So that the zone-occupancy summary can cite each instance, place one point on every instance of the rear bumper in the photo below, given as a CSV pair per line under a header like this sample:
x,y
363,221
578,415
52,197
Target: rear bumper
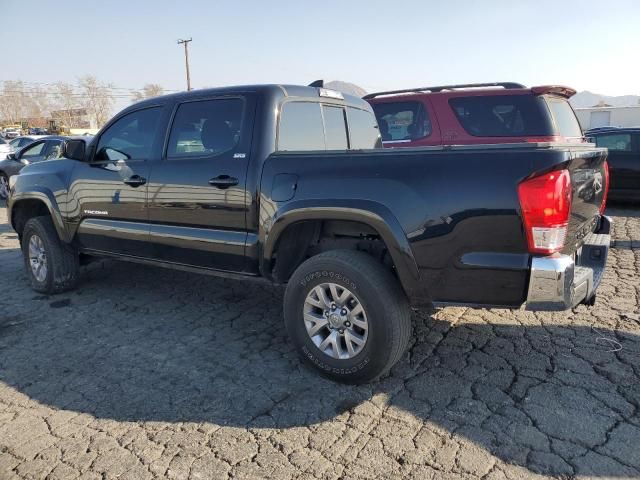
x,y
559,282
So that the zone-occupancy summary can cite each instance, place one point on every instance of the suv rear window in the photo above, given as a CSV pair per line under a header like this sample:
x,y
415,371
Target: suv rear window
x,y
402,121
565,119
503,115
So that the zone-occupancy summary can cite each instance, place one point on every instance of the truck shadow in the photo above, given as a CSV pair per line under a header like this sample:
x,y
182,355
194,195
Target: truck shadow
x,y
143,344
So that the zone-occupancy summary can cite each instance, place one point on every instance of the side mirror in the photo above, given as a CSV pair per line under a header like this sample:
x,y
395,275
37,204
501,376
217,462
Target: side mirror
x,y
74,149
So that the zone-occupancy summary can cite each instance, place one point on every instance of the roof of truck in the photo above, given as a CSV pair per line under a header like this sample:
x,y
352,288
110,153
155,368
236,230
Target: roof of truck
x,y
281,90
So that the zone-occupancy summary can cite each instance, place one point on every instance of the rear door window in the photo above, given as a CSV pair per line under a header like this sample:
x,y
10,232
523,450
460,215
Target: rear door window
x,y
566,121
503,115
402,121
206,128
363,129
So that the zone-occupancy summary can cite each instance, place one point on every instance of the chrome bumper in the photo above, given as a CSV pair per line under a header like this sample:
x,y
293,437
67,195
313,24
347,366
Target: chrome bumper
x,y
559,283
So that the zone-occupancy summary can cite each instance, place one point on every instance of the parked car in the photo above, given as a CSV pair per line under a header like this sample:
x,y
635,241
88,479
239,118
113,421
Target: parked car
x,y
5,148
480,113
22,141
38,131
10,133
623,159
47,148
289,184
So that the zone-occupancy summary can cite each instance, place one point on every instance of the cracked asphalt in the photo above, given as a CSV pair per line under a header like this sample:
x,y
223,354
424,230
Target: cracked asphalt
x,y
150,373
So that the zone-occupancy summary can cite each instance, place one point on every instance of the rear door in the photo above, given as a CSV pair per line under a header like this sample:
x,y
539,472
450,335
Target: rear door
x,y
198,198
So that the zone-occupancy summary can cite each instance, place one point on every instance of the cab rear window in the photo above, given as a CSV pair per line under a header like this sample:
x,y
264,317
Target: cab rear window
x,y
503,115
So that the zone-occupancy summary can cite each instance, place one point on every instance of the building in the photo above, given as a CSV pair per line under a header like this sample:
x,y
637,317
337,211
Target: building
x,y
73,118
604,115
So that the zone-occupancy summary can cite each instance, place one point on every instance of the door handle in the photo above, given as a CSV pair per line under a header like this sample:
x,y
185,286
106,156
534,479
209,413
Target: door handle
x,y
135,181
223,181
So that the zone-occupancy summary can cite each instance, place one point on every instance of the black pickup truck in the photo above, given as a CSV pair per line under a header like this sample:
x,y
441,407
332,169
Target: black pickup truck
x,y
290,184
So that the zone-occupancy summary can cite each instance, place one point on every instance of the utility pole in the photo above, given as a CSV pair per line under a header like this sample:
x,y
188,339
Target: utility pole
x,y
185,42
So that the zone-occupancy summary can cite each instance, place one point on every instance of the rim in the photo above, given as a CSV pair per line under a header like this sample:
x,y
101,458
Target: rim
x,y
336,321
4,187
37,258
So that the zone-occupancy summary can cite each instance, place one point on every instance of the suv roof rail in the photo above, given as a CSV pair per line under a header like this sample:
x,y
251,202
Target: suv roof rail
x,y
507,85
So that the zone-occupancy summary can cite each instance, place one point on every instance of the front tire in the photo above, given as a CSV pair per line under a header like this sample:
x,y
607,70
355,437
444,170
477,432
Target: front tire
x,y
4,186
52,266
347,316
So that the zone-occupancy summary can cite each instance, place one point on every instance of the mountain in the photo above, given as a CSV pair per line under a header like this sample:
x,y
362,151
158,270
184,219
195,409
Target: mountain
x,y
346,87
588,99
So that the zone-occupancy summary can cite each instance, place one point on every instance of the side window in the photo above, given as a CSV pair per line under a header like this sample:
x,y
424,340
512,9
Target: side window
x,y
566,120
335,128
33,151
130,137
54,150
400,121
363,129
301,127
206,127
620,142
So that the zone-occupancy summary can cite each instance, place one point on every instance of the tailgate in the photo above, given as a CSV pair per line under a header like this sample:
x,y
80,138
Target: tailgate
x,y
589,180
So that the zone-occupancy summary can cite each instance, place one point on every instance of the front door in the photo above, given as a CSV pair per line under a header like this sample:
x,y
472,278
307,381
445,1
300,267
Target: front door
x,y
198,199
107,194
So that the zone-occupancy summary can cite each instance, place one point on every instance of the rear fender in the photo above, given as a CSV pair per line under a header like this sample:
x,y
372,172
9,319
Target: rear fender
x,y
372,214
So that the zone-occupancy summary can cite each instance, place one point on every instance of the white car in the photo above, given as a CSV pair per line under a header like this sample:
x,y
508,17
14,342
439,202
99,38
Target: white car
x,y
5,149
11,133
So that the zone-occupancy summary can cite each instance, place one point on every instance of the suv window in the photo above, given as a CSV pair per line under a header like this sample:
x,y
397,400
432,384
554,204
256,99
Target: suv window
x,y
503,115
301,127
54,149
206,128
335,128
130,137
363,129
565,119
620,142
400,121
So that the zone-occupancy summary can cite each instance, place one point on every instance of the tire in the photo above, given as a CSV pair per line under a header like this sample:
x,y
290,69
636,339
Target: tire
x,y
385,313
4,186
61,261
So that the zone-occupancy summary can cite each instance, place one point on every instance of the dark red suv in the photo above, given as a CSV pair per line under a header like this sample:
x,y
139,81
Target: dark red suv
x,y
482,113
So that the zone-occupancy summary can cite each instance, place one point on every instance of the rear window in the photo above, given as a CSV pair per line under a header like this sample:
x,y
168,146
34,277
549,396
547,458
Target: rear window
x,y
565,119
402,121
363,129
503,115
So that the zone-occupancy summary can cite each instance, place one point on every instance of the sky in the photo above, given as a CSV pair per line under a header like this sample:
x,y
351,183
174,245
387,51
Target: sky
x,y
378,45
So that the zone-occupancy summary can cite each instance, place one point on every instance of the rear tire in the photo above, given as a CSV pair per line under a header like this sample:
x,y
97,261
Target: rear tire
x,y
347,316
52,266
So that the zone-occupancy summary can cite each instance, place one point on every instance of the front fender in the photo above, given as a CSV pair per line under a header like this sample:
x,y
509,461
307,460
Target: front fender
x,y
45,196
370,213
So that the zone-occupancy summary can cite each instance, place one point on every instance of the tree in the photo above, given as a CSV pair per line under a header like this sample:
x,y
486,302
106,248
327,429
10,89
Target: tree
x,y
98,99
13,100
66,100
150,90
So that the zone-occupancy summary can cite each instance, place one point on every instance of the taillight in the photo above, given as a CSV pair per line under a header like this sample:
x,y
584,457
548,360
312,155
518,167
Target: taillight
x,y
546,205
603,205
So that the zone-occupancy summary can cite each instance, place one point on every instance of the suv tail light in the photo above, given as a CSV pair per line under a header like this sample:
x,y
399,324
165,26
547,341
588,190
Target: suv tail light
x,y
546,205
603,205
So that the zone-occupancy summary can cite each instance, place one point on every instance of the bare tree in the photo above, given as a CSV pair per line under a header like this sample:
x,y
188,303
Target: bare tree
x,y
66,100
150,90
98,98
13,101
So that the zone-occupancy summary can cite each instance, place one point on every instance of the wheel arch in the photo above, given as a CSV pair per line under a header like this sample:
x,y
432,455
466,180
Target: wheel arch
x,y
24,206
373,215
